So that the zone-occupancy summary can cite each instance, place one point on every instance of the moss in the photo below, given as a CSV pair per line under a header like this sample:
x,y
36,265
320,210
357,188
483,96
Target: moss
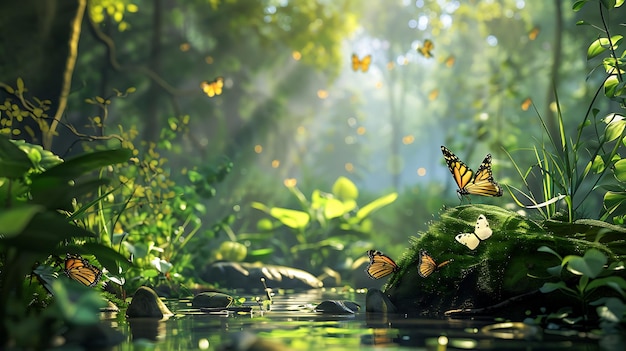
x,y
502,267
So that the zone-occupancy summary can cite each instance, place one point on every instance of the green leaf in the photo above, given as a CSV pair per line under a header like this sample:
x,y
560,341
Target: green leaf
x,y
615,201
550,287
614,129
590,265
550,251
82,164
14,163
619,169
291,218
376,204
14,220
579,5
333,208
600,45
345,190
614,282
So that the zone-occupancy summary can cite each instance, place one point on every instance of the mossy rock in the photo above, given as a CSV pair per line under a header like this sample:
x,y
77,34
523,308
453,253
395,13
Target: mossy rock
x,y
505,267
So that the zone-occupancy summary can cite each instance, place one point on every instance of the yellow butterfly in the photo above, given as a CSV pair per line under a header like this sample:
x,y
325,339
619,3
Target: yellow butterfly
x,y
427,265
213,88
426,48
81,270
481,232
363,64
480,183
380,265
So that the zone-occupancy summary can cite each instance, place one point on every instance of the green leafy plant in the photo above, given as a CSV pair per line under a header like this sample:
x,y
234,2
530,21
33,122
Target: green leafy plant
x,y
583,277
325,225
565,173
38,222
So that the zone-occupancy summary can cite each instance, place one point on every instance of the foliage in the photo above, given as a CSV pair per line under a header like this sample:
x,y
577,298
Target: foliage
x,y
38,221
582,277
154,218
322,233
563,173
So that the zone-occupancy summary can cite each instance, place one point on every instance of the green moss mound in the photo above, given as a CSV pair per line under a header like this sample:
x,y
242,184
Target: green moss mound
x,y
504,267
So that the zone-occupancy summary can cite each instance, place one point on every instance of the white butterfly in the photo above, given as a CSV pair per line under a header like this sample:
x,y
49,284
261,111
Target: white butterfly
x,y
481,232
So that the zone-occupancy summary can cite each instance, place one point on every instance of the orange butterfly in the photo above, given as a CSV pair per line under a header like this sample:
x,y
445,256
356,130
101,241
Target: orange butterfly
x,y
363,64
479,183
450,61
526,104
213,88
426,48
426,264
380,265
81,270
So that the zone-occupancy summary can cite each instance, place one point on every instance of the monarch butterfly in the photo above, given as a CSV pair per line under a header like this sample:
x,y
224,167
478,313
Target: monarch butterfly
x,y
481,232
214,87
380,265
363,64
534,33
81,270
426,48
426,264
479,183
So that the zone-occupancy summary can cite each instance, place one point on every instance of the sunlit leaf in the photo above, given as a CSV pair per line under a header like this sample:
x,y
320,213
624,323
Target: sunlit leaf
x,y
620,170
291,218
614,130
601,45
376,204
344,189
550,251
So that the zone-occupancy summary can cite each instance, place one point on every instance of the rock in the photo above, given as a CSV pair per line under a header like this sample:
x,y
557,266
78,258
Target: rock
x,y
337,307
376,301
244,275
147,304
211,300
500,277
246,341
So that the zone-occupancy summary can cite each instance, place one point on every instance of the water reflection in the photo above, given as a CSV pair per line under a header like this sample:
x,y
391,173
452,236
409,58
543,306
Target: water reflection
x,y
291,324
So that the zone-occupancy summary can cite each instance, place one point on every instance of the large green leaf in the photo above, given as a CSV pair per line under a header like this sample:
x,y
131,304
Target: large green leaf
x,y
75,167
375,205
45,231
57,193
620,170
14,163
615,202
14,220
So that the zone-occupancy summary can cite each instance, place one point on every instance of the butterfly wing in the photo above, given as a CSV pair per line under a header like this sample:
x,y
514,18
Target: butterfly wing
x,y
482,230
81,270
426,48
483,183
214,87
380,265
468,239
365,63
425,265
460,172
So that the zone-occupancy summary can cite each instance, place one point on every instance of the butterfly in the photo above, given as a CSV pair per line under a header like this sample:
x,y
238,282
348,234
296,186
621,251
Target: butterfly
x,y
427,265
481,232
214,87
81,270
380,265
363,64
479,183
426,48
